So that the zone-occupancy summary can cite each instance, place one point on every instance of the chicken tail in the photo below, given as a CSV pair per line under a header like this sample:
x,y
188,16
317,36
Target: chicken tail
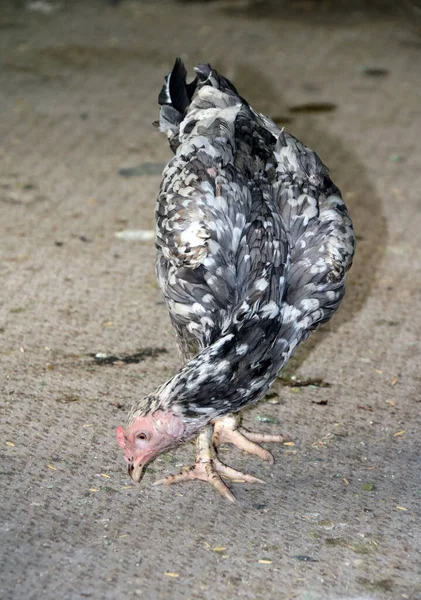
x,y
176,92
176,95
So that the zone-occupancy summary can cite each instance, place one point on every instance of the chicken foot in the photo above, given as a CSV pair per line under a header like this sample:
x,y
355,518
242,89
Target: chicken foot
x,y
209,468
226,430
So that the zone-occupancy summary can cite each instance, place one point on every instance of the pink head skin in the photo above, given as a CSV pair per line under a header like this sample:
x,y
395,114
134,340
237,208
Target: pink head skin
x,y
147,437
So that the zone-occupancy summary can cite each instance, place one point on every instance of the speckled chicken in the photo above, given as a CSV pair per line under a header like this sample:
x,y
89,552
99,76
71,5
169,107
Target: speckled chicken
x,y
253,246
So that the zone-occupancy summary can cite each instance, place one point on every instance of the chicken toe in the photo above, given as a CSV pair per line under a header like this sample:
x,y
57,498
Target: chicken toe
x,y
226,431
209,468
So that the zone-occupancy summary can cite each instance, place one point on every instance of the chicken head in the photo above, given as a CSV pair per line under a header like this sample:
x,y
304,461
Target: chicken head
x,y
146,437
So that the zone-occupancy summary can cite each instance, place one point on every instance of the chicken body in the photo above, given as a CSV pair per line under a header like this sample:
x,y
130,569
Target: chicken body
x,y
254,242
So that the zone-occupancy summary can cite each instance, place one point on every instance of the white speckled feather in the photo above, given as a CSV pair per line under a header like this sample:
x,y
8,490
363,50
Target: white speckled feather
x,y
254,243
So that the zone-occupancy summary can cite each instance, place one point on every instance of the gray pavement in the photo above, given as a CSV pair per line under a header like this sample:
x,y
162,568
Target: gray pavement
x,y
339,515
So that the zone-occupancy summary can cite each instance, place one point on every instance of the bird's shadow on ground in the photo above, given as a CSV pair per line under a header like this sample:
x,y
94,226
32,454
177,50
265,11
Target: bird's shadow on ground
x,y
349,173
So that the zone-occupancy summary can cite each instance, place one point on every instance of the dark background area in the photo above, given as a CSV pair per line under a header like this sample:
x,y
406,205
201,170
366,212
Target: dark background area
x,y
80,162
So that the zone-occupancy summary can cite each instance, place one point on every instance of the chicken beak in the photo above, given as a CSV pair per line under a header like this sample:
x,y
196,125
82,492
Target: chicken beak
x,y
135,471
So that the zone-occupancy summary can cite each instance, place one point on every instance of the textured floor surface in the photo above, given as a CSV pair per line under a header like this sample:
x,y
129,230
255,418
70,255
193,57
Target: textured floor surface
x,y
339,516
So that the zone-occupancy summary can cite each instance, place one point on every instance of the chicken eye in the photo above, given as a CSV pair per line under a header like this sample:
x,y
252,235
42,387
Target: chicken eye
x,y
142,436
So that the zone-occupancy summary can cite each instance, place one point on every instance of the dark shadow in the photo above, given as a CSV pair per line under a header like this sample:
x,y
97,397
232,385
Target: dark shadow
x,y
135,358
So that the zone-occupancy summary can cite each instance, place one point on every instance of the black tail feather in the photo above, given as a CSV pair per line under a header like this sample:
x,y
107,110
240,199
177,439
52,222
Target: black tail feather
x,y
176,96
176,92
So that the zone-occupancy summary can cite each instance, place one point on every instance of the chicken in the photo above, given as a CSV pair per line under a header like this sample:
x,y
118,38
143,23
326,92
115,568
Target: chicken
x,y
254,243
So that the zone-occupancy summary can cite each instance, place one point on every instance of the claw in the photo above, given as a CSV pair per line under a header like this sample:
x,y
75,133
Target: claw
x,y
226,432
235,475
265,437
209,468
205,471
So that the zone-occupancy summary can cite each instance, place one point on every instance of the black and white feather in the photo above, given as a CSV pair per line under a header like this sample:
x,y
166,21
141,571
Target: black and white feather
x,y
254,244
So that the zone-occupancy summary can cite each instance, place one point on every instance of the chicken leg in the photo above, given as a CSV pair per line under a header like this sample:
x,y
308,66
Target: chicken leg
x,y
209,468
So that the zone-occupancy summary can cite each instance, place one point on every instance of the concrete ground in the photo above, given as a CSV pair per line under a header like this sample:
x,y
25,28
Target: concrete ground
x,y
339,515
